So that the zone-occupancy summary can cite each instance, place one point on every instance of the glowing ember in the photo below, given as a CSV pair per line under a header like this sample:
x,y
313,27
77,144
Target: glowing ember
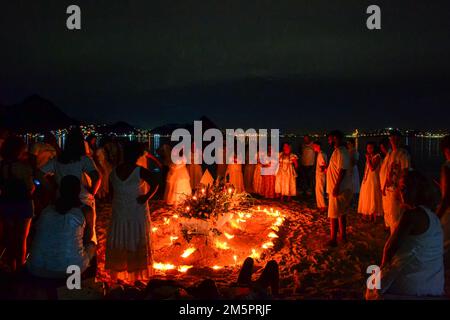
x,y
255,254
221,242
267,245
163,266
229,236
188,252
183,268
222,245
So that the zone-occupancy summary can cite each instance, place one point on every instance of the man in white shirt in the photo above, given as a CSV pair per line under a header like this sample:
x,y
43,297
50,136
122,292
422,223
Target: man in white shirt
x,y
397,161
339,187
308,158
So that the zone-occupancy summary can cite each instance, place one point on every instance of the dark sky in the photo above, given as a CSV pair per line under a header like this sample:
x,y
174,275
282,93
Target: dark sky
x,y
293,64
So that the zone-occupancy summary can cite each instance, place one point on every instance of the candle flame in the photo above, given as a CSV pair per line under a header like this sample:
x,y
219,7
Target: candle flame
x,y
229,236
273,235
267,245
188,252
184,268
216,267
163,266
222,245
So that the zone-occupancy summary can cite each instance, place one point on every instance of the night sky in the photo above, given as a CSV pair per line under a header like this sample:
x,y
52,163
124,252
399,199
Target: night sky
x,y
297,64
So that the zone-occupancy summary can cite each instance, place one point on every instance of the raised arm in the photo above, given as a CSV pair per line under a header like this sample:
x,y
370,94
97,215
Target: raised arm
x,y
149,178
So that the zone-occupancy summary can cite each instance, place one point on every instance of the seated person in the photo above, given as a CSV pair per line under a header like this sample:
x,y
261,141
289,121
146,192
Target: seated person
x,y
413,263
63,234
245,288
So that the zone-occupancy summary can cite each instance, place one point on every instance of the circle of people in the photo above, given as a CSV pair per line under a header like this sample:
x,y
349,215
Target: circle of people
x,y
61,186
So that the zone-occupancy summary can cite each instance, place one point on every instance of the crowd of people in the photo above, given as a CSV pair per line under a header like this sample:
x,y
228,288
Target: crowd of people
x,y
52,191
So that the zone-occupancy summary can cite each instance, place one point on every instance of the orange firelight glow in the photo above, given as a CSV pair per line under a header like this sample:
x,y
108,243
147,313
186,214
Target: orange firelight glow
x,y
188,252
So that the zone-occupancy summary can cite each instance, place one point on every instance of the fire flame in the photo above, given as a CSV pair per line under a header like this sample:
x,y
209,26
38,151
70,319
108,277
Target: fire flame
x,y
188,252
163,266
273,235
222,245
267,245
254,255
229,236
184,268
216,267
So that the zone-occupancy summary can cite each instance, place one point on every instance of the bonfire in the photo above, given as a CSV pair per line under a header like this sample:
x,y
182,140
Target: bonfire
x,y
214,228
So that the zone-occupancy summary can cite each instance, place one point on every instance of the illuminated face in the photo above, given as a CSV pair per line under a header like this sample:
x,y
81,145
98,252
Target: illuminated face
x,y
286,148
370,149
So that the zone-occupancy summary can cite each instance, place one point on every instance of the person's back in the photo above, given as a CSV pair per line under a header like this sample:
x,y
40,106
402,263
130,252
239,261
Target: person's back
x,y
58,243
125,192
422,258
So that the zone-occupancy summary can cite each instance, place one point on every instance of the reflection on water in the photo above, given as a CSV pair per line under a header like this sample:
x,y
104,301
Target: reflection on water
x,y
425,152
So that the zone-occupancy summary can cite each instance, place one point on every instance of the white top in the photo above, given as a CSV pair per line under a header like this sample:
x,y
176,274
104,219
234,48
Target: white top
x,y
129,218
419,263
340,159
398,160
308,155
321,162
77,169
58,243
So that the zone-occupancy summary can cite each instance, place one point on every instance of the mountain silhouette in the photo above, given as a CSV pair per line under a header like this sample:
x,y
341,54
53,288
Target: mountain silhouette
x,y
34,114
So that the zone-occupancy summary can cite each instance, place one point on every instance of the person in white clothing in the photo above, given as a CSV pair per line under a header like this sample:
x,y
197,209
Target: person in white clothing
x,y
128,246
370,203
178,185
398,161
321,176
385,150
63,234
339,187
413,264
354,172
74,161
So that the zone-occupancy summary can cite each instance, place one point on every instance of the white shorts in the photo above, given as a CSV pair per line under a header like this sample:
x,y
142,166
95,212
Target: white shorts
x,y
338,206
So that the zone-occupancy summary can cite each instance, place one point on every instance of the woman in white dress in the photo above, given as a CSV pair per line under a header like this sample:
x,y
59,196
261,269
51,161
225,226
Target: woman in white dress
x,y
73,161
234,176
285,181
128,246
178,185
413,264
370,202
321,176
354,159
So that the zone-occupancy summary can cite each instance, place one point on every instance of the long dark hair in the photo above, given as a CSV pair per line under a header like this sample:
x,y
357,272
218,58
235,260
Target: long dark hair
x,y
74,147
69,191
132,151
